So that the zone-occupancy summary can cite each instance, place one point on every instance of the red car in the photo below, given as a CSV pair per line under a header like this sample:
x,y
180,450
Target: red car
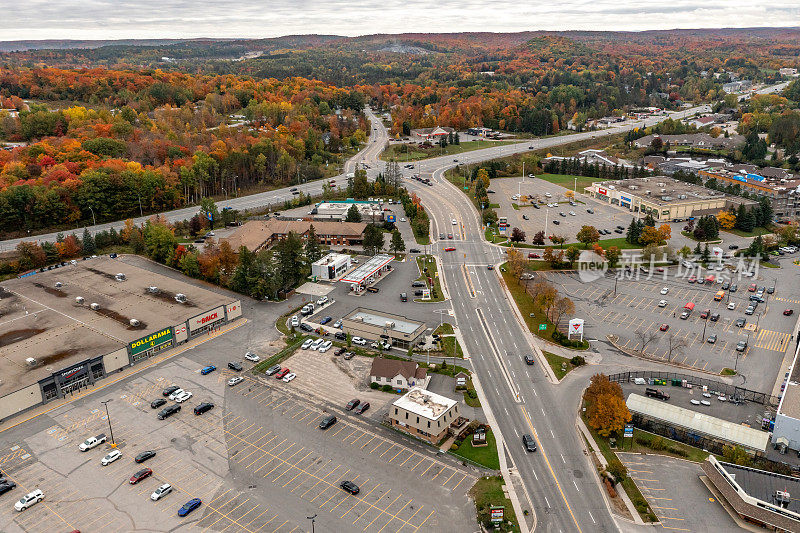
x,y
140,475
282,373
788,312
450,249
692,279
533,256
751,288
664,327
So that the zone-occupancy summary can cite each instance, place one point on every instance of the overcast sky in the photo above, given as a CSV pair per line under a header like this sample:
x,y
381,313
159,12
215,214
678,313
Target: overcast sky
x,y
118,19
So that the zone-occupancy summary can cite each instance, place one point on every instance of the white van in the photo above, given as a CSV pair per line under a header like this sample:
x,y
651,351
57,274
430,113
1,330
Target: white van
x,y
307,344
316,344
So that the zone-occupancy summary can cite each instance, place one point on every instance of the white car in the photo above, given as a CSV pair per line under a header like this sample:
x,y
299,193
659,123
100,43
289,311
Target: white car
x,y
325,346
185,395
515,197
338,324
307,344
731,306
402,219
289,377
111,457
161,491
176,394
665,290
322,301
572,213
454,222
250,356
295,321
662,303
32,498
316,344
234,380
548,195
359,341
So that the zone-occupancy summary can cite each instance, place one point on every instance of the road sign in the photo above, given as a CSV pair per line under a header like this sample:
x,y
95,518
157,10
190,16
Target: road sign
x,y
496,513
628,431
390,218
575,328
542,327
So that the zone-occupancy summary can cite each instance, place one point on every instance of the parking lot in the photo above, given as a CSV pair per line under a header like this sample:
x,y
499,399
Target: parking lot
x,y
626,306
257,460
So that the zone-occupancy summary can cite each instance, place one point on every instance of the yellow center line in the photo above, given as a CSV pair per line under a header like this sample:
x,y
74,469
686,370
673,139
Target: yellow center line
x,y
549,467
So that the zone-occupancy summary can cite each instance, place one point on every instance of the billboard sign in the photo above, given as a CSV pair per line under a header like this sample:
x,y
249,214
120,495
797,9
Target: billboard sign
x,y
496,514
628,431
207,318
151,341
575,327
390,218
602,191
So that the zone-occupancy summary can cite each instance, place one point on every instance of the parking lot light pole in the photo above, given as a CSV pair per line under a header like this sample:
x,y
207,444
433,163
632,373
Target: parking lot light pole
x,y
108,418
312,518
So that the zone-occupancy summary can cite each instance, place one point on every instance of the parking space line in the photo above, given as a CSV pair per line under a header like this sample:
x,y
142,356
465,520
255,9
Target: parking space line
x,y
365,496
423,522
300,472
386,450
322,479
256,518
280,526
398,453
426,470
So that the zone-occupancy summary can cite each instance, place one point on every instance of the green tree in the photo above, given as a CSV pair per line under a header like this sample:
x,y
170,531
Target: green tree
x,y
706,255
634,231
353,214
190,265
313,248
398,244
290,258
159,242
89,247
210,211
587,235
373,239
573,253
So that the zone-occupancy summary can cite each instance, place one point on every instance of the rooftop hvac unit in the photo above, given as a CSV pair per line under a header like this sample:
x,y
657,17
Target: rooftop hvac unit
x,y
661,184
180,298
647,192
645,179
389,324
134,322
633,187
611,187
681,197
95,306
59,284
120,277
783,498
663,190
30,361
79,300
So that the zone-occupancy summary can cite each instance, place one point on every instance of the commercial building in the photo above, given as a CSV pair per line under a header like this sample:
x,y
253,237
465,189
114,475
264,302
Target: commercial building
x,y
664,198
369,273
370,211
786,432
398,374
687,425
593,156
256,235
375,325
759,497
738,86
330,267
431,134
781,187
693,140
69,327
423,414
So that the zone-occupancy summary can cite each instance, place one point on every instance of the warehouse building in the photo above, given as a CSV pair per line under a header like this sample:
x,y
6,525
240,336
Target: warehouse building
x,y
423,414
780,187
372,325
665,199
330,267
66,329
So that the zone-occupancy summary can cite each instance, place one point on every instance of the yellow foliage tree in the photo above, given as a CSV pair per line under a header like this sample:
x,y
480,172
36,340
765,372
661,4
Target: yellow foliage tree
x,y
608,414
727,219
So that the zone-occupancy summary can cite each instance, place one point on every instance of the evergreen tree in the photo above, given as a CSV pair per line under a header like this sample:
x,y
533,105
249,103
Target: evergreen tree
x,y
289,252
748,221
353,214
373,240
89,247
313,248
632,237
649,221
706,254
397,245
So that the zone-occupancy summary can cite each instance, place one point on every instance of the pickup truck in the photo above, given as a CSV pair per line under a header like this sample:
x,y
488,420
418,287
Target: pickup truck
x,y
92,442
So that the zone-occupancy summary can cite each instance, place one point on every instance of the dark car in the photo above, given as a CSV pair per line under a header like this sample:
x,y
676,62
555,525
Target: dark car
x,y
305,327
203,407
144,456
740,322
340,335
6,486
327,422
528,359
113,255
733,247
418,284
350,487
340,351
155,404
361,408
207,369
169,390
771,290
168,411
529,443
556,222
414,250
714,317
235,365
325,320
274,369
352,404
734,287
348,355
189,506
373,289
140,475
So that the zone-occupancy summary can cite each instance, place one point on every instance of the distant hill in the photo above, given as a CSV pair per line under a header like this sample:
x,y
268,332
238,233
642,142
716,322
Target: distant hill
x,y
65,44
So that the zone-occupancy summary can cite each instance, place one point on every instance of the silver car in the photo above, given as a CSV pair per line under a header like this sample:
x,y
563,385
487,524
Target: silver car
x,y
161,491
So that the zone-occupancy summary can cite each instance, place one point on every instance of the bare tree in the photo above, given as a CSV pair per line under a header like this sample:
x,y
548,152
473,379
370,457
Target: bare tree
x,y
675,345
561,307
645,337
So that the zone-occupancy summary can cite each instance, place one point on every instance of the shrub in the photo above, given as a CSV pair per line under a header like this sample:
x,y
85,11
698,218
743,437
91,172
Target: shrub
x,y
617,469
657,443
374,386
472,393
454,446
578,360
386,388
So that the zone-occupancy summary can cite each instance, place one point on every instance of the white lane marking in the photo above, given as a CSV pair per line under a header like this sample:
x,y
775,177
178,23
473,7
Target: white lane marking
x,y
554,436
497,391
546,501
564,460
534,390
592,517
506,410
543,411
576,485
515,431
537,478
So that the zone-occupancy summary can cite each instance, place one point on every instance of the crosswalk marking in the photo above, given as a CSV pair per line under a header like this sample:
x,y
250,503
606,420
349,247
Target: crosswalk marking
x,y
772,340
787,300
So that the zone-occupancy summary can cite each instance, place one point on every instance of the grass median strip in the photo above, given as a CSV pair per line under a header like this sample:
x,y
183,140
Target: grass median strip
x,y
487,493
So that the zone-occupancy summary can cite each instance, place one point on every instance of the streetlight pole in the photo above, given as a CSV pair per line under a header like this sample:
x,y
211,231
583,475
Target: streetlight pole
x,y
108,419
141,213
312,518
94,222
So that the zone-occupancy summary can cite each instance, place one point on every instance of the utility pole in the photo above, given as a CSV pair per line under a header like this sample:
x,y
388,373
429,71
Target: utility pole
x,y
108,418
312,518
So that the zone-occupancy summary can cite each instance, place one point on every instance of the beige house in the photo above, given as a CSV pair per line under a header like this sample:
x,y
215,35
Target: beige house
x,y
424,414
398,374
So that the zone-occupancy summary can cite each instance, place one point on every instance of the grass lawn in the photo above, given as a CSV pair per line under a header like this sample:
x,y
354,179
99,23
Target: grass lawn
x,y
486,455
567,181
451,347
555,362
469,400
650,443
434,275
424,240
444,329
290,348
754,233
727,372
416,153
620,243
488,492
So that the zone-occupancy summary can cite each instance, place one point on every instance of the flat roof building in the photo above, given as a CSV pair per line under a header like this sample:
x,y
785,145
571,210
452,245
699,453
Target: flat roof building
x,y
779,186
331,266
369,272
375,325
424,414
370,211
787,419
664,198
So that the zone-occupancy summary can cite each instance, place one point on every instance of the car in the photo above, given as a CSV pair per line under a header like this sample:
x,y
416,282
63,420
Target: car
x,y
528,359
359,341
112,255
664,327
327,422
92,442
712,339
740,322
161,491
455,223
169,390
274,369
207,369
235,380
450,249
350,487
306,310
202,408
556,222
190,506
590,211
788,312
322,301
562,213
295,321
289,377
525,217
664,290
529,443
325,346
733,247
250,356
140,475
361,408
7,485
373,289
771,289
455,160
751,288
340,351
185,395
316,344
402,219
235,365
144,456
293,189
731,306
572,213
714,317
340,335
705,314
489,267
741,346
352,404
442,236
158,402
726,285
692,279
414,251
112,456
533,255
662,303
548,195
325,320
168,411
734,287
750,310
32,498
305,346
338,324
282,374
348,355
